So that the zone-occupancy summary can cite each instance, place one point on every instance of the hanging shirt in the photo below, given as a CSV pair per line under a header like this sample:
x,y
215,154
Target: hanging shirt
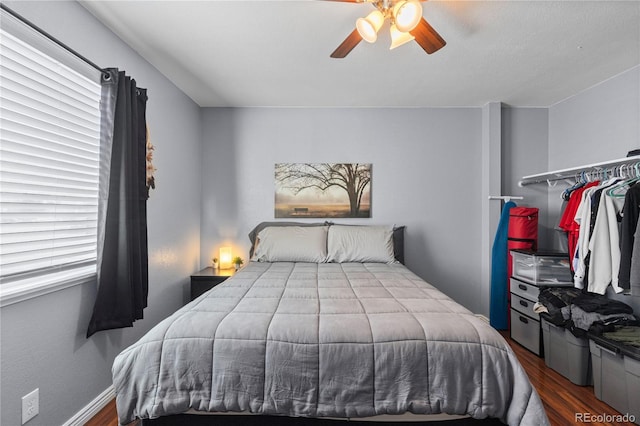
x,y
582,218
567,222
586,220
634,273
630,213
604,245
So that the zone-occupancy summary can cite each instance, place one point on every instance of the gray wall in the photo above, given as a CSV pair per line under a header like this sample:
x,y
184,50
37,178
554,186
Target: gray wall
x,y
43,344
599,124
426,175
215,182
524,152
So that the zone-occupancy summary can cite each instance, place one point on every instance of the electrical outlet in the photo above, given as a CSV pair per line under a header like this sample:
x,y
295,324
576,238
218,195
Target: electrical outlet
x,y
30,405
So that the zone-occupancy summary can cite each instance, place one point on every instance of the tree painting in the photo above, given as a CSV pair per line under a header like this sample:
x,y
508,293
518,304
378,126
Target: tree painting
x,y
323,190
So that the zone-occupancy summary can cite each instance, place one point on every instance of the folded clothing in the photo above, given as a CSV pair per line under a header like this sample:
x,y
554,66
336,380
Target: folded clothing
x,y
627,335
581,312
551,300
579,321
591,302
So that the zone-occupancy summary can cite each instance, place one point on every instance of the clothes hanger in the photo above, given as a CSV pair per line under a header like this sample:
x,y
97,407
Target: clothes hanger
x,y
620,190
608,178
581,181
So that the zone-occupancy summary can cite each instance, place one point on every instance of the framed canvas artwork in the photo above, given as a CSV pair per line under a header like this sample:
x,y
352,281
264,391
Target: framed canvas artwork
x,y
322,190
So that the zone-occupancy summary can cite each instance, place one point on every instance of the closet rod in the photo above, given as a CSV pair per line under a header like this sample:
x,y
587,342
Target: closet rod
x,y
506,198
572,171
52,38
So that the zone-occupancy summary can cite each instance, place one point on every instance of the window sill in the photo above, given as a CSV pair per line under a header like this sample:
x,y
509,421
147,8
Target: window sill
x,y
20,291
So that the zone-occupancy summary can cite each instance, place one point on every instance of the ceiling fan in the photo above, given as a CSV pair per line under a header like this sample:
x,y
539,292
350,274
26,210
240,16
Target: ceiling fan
x,y
406,24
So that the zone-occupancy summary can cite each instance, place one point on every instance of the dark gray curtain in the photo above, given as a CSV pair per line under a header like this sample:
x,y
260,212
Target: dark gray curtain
x,y
122,233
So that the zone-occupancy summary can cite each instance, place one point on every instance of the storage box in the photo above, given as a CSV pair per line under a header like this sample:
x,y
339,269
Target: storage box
x,y
526,331
567,354
546,268
616,377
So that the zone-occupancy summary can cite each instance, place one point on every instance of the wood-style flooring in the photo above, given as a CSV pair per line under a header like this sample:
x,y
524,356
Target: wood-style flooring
x,y
561,398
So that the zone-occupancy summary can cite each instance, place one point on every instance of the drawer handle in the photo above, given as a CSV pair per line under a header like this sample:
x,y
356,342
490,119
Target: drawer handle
x,y
522,287
524,320
523,303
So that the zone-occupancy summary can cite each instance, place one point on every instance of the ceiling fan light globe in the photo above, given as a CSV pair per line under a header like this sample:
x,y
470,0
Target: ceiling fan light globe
x,y
366,31
407,14
368,27
398,38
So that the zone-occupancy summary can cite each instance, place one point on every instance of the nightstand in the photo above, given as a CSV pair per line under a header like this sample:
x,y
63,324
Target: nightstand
x,y
208,278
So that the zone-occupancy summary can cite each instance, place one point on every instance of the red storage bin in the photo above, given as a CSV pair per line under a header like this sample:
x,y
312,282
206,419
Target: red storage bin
x,y
523,231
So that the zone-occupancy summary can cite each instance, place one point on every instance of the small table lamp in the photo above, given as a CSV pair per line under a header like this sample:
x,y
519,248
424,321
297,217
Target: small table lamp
x,y
225,257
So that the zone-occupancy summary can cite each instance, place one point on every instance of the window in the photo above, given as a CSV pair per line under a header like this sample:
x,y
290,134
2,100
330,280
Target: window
x,y
49,164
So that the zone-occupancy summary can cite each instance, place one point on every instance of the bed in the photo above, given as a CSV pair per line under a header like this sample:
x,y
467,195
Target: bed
x,y
324,323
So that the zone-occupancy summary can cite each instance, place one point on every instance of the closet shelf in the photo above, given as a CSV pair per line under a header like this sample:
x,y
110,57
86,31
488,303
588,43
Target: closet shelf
x,y
573,171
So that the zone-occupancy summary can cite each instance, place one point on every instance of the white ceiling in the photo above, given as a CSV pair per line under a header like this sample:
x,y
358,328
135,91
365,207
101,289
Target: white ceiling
x,y
276,53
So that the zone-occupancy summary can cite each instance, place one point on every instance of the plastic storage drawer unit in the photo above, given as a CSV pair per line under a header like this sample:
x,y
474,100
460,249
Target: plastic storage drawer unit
x,y
524,290
546,268
523,305
616,377
567,354
526,331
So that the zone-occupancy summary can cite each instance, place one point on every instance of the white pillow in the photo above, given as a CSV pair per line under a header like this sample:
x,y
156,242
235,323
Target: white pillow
x,y
360,244
291,244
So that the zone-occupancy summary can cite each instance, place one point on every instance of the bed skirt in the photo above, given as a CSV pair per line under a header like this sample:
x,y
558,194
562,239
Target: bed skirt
x,y
249,420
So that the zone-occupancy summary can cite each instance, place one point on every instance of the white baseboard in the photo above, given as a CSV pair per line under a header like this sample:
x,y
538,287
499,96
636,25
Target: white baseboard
x,y
92,408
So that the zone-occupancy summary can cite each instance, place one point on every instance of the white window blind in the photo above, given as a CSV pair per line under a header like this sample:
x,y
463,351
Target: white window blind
x,y
49,167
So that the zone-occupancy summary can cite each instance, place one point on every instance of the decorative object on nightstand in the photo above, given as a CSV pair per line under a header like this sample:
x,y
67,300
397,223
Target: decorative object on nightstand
x,y
237,262
204,280
214,263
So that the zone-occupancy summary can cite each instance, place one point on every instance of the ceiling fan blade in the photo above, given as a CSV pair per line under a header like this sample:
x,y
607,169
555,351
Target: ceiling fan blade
x,y
347,45
427,37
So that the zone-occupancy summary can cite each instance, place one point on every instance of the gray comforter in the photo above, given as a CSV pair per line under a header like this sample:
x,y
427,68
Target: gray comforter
x,y
316,340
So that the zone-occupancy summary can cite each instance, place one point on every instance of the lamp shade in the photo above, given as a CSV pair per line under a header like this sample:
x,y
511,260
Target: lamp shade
x,y
398,38
368,27
225,257
407,14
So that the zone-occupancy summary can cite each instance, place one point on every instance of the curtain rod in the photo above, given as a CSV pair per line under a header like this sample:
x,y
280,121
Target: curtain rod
x,y
50,37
